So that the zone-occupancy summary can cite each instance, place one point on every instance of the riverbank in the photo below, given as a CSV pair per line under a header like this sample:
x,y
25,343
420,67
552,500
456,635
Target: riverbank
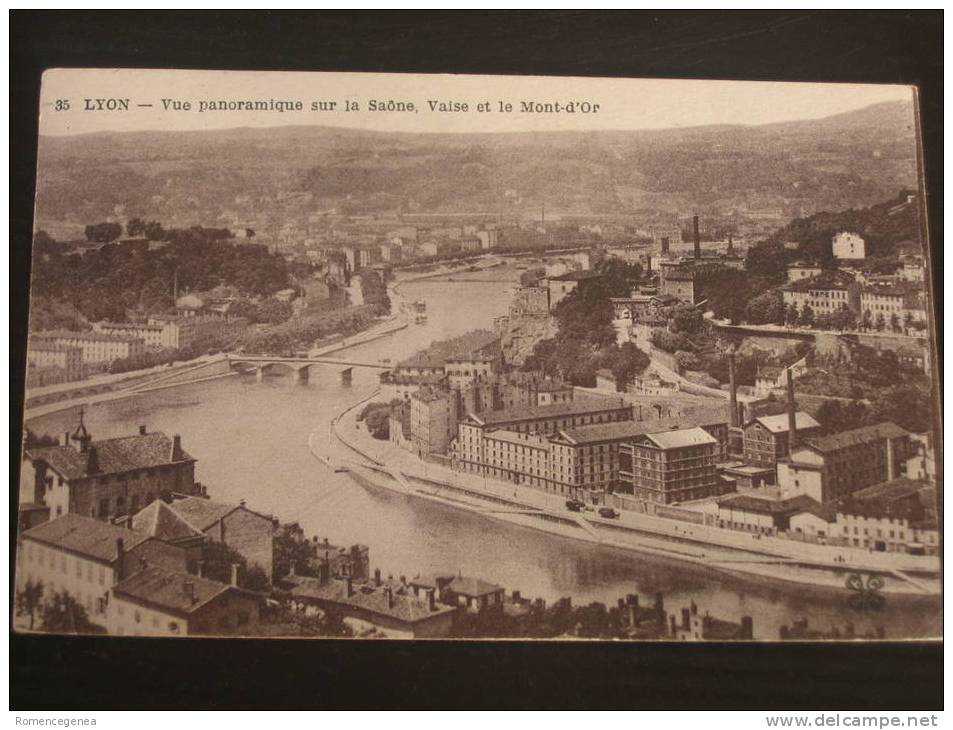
x,y
764,557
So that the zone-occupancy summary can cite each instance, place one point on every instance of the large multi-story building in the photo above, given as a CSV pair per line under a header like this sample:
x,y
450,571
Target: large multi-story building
x,y
86,558
824,294
846,245
671,466
833,466
433,420
894,303
155,336
767,438
111,477
548,419
97,347
67,360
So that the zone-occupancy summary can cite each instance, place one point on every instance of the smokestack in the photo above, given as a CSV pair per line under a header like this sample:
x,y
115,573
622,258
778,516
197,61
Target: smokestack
x,y
697,238
733,385
792,418
120,558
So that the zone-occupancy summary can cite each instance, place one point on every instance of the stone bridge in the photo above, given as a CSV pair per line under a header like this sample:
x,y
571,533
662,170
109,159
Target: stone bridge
x,y
299,366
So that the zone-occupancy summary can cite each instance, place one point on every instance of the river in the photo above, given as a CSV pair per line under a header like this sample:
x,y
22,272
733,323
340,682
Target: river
x,y
251,442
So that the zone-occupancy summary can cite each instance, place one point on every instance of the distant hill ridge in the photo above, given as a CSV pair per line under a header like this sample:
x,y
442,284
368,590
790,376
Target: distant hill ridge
x,y
280,174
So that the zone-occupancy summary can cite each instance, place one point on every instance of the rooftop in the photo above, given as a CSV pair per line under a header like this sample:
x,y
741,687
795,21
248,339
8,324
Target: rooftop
x,y
512,437
824,280
113,456
88,336
85,536
855,437
681,438
172,591
465,346
779,423
202,513
366,597
163,522
580,405
759,505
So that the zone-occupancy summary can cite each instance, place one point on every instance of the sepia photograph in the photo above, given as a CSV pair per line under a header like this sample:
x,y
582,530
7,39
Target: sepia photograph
x,y
406,356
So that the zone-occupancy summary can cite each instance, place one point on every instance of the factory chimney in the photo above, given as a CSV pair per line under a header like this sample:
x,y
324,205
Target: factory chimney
x,y
697,238
792,417
733,391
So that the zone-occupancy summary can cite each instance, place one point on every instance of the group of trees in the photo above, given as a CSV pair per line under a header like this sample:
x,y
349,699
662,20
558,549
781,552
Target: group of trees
x,y
104,283
377,415
585,339
909,405
374,292
58,612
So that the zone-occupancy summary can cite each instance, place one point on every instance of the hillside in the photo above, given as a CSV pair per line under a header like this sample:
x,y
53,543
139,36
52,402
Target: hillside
x,y
272,176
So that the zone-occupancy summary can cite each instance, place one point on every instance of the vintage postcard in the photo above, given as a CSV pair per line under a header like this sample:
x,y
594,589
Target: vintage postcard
x,y
464,357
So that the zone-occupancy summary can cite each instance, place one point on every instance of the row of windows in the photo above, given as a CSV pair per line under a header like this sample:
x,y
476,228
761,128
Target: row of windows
x,y
60,561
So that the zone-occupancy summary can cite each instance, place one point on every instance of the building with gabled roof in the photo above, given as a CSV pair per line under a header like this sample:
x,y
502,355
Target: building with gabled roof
x,y
835,465
108,478
247,532
155,601
766,438
390,607
86,558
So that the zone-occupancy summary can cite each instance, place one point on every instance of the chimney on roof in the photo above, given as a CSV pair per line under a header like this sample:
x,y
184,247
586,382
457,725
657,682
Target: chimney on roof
x,y
142,429
120,558
234,576
792,417
92,461
189,588
733,390
731,246
377,576
176,448
431,600
696,238
389,595
686,619
350,587
201,569
660,606
66,439
664,245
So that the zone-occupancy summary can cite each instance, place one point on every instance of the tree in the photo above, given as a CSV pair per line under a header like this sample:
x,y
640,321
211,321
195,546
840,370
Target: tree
x,y
29,599
767,308
791,315
807,316
881,322
135,227
836,415
625,362
65,615
218,559
895,322
866,320
687,360
103,232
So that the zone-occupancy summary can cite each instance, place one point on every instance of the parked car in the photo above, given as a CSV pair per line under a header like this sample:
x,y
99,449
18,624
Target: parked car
x,y
574,505
608,513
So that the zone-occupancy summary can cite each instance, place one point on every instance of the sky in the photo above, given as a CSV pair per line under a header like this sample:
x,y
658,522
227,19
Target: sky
x,y
623,104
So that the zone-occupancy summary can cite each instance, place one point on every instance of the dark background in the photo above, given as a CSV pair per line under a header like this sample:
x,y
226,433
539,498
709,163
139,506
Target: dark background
x,y
114,673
